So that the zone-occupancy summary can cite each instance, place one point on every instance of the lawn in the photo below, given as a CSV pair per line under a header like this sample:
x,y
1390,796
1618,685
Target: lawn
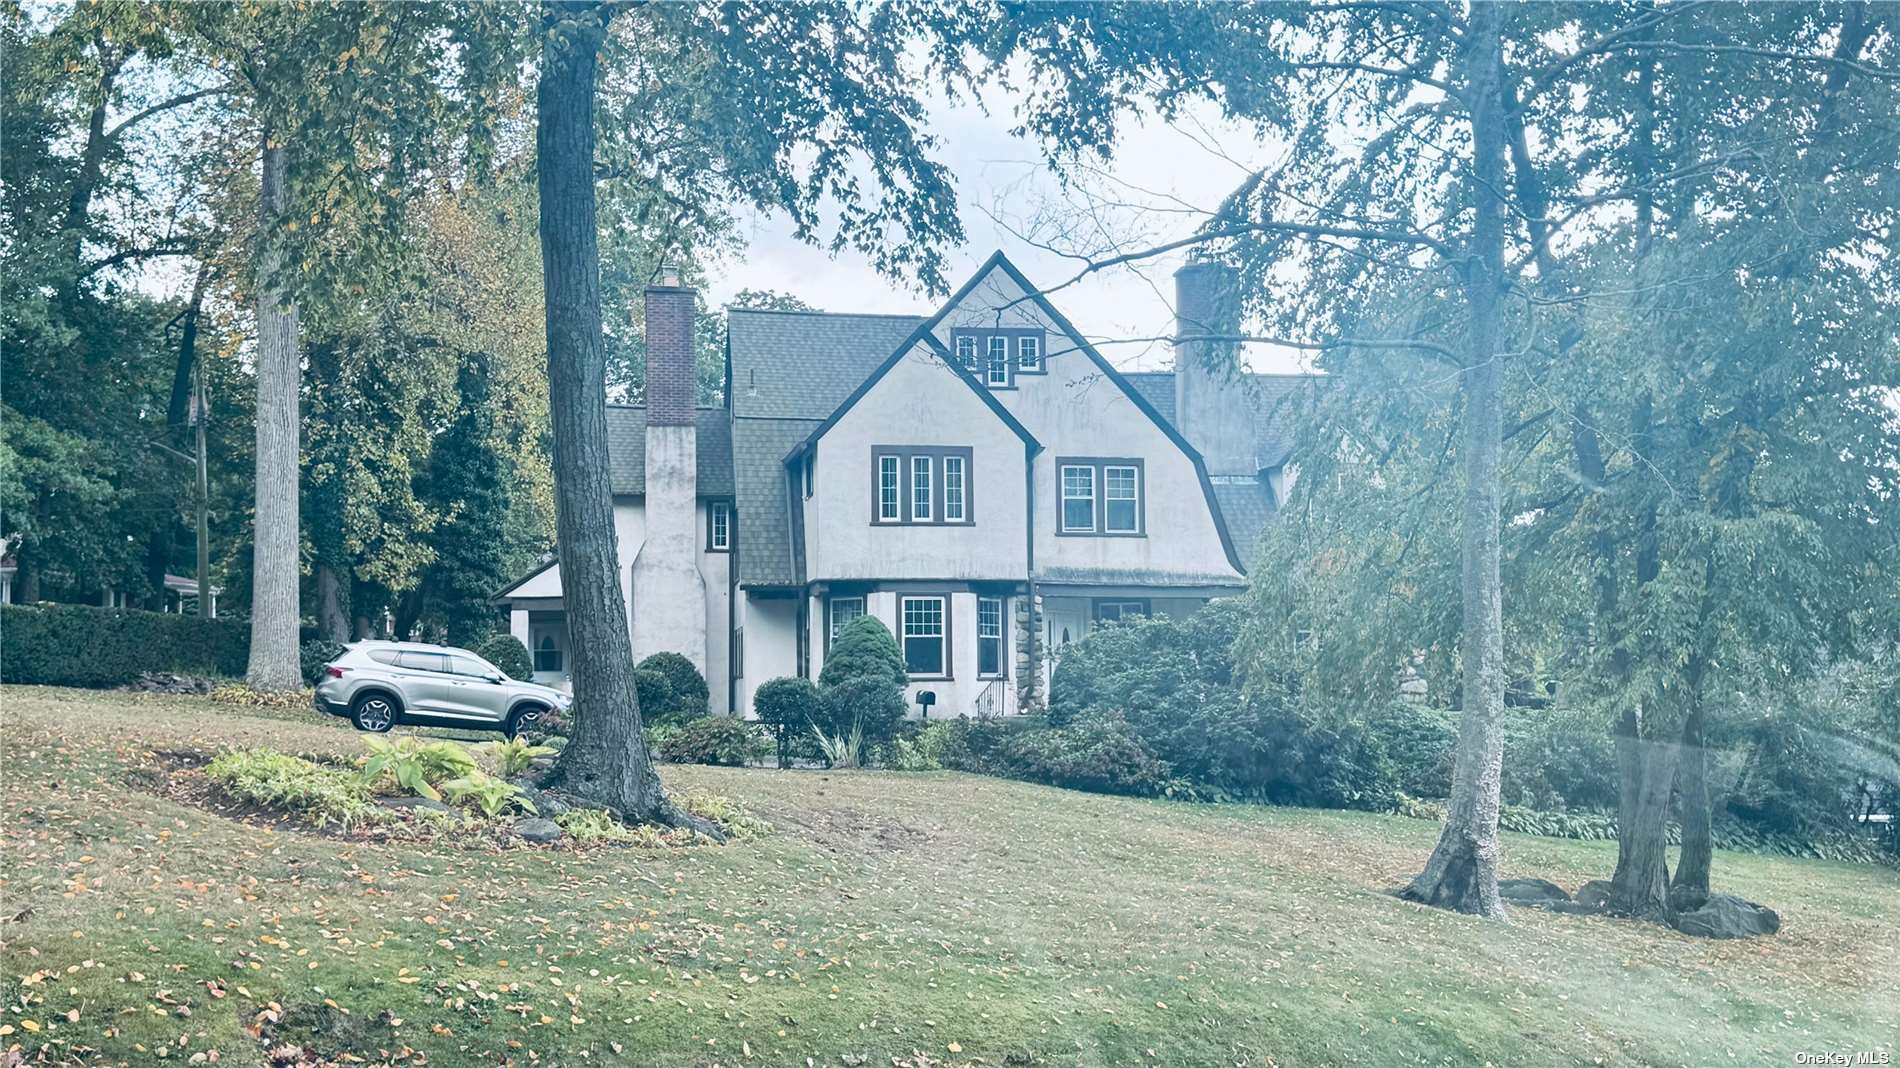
x,y
919,919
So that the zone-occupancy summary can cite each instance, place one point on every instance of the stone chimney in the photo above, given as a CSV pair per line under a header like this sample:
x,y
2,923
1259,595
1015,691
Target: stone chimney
x,y
669,593
1210,403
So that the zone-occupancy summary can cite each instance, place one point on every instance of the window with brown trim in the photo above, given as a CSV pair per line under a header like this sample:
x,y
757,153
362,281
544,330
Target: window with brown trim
x,y
1100,496
997,355
925,635
922,485
1119,609
989,637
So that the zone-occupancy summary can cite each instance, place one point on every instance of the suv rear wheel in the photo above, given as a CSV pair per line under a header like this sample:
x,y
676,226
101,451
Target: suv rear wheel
x,y
373,712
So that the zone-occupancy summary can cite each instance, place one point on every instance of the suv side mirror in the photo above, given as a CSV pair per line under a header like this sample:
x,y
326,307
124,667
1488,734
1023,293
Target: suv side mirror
x,y
496,677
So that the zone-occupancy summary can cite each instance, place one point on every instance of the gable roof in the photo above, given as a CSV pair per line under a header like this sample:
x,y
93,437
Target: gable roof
x,y
921,336
627,451
802,364
998,261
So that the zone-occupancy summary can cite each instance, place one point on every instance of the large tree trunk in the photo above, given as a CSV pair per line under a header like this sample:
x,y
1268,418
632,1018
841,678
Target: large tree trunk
x,y
1691,882
331,621
274,607
606,760
1640,887
1462,873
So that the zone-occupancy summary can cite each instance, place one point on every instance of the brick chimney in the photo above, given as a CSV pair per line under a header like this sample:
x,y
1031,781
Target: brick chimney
x,y
669,593
1210,402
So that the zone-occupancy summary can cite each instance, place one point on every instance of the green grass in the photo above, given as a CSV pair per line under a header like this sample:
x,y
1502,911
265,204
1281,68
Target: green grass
x,y
967,919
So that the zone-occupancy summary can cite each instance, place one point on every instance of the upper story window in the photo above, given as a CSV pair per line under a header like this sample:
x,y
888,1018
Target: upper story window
x,y
997,355
1101,496
719,527
921,484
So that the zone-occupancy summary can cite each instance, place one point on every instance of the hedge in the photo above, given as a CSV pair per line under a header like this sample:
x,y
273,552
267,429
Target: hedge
x,y
78,645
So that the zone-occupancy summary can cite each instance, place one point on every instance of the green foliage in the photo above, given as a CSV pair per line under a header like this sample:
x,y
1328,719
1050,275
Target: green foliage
x,y
469,485
1418,743
411,764
868,703
655,694
512,756
730,815
863,649
594,826
76,645
688,696
940,744
844,749
787,706
490,796
1097,752
719,740
314,655
506,652
275,780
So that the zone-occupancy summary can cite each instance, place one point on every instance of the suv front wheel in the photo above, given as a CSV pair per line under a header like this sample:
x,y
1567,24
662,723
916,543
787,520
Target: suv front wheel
x,y
373,712
521,719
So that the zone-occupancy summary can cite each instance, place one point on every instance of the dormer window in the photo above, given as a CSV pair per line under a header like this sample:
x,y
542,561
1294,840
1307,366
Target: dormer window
x,y
997,355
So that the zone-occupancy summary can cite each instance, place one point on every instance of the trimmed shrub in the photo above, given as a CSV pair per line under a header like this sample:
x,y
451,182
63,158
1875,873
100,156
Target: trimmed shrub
x,y
721,740
940,744
864,648
657,705
1095,752
313,656
77,645
691,699
506,652
787,706
869,703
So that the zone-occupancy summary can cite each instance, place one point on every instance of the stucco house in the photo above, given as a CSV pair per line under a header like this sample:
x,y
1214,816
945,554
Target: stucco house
x,y
980,480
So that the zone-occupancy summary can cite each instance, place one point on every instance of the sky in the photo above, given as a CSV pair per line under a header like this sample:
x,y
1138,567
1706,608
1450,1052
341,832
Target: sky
x,y
1160,180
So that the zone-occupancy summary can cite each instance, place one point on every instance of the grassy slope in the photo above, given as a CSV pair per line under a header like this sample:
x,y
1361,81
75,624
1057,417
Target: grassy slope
x,y
891,914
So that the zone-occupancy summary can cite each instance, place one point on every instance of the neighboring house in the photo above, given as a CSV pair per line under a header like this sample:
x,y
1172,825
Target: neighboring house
x,y
981,480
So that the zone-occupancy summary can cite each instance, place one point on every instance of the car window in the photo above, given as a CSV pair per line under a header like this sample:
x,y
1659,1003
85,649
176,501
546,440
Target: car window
x,y
463,665
383,656
424,661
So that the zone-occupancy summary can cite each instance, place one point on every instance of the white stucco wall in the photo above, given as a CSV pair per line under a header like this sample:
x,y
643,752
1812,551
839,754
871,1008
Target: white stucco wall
x,y
668,589
919,401
1077,411
771,643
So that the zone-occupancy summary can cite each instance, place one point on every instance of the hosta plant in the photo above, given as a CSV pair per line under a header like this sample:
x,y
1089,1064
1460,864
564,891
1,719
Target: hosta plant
x,y
486,794
414,765
513,756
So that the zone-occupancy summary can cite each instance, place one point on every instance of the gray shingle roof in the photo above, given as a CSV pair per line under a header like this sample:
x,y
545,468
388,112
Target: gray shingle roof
x,y
1157,387
1248,508
802,365
627,451
765,523
1265,394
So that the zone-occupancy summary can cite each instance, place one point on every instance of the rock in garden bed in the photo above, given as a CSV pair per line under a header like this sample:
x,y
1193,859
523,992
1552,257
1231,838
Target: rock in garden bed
x,y
539,831
1728,916
1531,891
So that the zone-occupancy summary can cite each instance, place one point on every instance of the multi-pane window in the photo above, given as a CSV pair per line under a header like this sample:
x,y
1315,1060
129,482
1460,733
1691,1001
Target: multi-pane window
x,y
997,367
955,497
548,656
922,484
997,354
1121,497
1100,496
989,636
966,352
1118,611
925,640
719,526
1078,498
1029,353
843,610
920,481
887,489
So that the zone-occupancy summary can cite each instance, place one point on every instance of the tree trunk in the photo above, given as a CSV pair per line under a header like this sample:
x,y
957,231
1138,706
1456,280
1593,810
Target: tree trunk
x,y
606,760
332,624
1640,887
1629,784
1692,790
274,607
1462,873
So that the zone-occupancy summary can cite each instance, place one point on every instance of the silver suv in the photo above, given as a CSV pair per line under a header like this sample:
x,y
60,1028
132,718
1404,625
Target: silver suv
x,y
380,684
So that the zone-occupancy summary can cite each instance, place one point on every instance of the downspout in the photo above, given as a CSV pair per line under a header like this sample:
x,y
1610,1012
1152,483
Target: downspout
x,y
1033,676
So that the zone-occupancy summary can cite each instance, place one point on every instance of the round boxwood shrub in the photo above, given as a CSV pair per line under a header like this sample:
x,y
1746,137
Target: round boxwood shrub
x,y
313,656
690,698
787,707
870,702
1097,752
657,703
863,649
506,652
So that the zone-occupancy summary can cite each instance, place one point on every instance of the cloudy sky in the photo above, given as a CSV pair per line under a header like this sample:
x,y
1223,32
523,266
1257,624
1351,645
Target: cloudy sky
x,y
1162,177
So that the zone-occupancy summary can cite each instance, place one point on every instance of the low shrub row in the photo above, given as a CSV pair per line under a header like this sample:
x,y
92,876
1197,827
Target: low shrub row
x,y
78,645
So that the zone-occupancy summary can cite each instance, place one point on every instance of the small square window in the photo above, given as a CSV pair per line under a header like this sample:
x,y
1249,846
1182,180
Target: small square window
x,y
966,353
1029,353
